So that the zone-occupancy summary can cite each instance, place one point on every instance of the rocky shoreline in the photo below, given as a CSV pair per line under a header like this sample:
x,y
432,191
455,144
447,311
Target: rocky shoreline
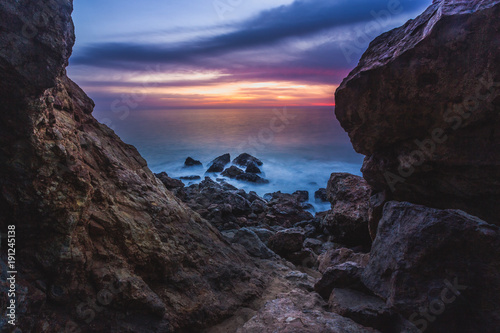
x,y
104,245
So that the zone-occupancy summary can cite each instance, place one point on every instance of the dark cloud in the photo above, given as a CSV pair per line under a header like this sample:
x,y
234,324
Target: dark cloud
x,y
301,18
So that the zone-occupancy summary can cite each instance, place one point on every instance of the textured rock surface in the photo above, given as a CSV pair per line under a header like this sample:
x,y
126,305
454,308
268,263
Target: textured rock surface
x,y
437,264
423,106
252,243
88,211
335,257
298,312
364,309
346,275
348,218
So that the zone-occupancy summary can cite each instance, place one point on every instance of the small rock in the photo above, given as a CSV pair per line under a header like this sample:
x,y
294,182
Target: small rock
x,y
169,183
232,172
286,242
190,162
320,195
252,168
219,163
245,159
252,178
190,177
252,243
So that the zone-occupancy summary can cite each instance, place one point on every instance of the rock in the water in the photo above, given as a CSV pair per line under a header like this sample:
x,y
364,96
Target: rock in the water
x,y
320,195
252,178
252,168
190,178
190,162
232,172
300,312
219,163
348,218
286,242
252,243
440,268
245,159
302,196
423,105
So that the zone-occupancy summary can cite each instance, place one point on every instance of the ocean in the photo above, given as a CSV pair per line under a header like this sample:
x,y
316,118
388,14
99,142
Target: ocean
x,y
300,147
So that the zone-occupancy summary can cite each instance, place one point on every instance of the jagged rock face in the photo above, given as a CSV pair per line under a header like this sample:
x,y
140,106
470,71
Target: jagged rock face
x,y
98,235
423,106
36,39
439,268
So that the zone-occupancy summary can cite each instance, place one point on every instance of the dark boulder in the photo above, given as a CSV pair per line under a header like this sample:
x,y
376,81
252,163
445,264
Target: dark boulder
x,y
218,164
367,310
170,183
190,162
190,178
423,105
440,268
252,178
286,242
245,159
252,168
346,275
252,243
232,172
320,195
348,218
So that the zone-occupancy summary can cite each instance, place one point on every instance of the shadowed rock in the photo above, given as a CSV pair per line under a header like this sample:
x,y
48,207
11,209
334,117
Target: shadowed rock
x,y
219,163
245,159
445,263
423,105
190,162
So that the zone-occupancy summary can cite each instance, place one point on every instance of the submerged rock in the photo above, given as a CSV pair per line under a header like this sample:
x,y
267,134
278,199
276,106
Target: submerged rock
x,y
423,105
218,164
190,177
252,178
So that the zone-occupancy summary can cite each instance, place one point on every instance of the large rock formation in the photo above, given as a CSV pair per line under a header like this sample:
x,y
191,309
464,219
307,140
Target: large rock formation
x,y
101,244
423,106
439,268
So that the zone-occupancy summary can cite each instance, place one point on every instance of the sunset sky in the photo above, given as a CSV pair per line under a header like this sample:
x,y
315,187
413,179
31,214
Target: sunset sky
x,y
224,53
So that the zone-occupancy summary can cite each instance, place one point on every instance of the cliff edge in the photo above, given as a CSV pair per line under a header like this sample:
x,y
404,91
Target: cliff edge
x,y
101,244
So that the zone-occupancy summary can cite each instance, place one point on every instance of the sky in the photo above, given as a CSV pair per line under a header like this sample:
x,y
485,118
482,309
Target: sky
x,y
171,54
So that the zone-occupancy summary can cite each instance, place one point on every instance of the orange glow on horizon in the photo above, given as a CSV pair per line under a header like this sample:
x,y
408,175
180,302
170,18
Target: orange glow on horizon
x,y
212,93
